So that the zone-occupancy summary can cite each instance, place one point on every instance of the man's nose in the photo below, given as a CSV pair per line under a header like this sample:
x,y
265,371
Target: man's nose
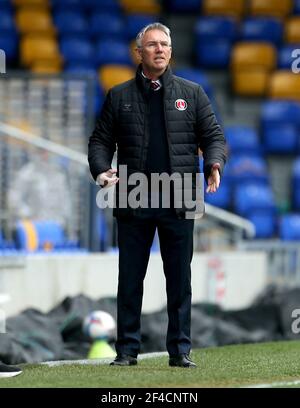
x,y
159,47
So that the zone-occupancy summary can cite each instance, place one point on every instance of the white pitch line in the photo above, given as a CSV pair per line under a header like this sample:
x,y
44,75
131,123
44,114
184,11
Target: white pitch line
x,y
274,384
99,361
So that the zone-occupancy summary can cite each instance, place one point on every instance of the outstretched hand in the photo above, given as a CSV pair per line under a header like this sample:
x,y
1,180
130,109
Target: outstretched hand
x,y
108,178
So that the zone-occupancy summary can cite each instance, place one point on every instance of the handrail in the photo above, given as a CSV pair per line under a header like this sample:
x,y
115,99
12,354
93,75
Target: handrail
x,y
42,143
232,219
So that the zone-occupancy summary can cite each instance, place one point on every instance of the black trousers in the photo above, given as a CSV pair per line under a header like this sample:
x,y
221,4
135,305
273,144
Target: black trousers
x,y
135,237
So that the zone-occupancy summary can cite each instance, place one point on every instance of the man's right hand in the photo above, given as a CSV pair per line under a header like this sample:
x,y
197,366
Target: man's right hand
x,y
107,178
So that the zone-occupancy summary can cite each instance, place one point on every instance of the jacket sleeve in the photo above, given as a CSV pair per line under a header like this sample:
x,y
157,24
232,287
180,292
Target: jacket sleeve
x,y
102,143
211,139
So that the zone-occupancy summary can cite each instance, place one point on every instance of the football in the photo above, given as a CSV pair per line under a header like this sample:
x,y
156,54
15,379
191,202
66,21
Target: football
x,y
98,325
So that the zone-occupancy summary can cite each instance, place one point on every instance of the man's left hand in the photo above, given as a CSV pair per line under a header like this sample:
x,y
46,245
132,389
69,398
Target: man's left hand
x,y
213,180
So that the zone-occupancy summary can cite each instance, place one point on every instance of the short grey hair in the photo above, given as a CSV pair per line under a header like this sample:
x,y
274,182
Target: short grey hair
x,y
152,26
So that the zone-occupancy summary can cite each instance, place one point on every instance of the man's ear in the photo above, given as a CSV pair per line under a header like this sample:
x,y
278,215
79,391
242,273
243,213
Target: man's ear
x,y
139,53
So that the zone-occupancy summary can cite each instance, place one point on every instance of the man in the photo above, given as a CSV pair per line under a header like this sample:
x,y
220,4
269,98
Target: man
x,y
7,371
158,122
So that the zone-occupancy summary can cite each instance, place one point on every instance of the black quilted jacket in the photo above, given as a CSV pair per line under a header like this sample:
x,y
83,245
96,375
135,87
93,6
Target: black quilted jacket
x,y
123,124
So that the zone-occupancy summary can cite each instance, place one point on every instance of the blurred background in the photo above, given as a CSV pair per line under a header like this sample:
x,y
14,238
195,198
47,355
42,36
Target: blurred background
x,y
62,56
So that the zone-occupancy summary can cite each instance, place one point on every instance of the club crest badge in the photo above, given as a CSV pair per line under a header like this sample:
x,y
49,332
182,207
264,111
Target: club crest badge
x,y
180,104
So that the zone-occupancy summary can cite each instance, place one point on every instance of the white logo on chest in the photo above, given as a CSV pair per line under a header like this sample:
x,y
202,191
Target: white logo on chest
x,y
180,104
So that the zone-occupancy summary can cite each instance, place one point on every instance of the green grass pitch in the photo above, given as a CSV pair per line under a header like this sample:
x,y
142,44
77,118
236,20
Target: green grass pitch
x,y
275,364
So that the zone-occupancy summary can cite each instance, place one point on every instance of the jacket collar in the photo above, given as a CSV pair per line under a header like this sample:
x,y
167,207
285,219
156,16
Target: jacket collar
x,y
144,83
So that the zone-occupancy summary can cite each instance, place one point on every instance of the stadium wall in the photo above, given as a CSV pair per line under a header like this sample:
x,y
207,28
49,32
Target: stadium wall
x,y
231,279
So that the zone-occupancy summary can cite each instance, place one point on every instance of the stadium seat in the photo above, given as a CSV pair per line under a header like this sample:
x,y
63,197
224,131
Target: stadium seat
x,y
111,75
265,224
141,6
283,139
262,29
7,23
213,54
251,198
32,3
6,5
284,84
195,75
247,168
46,67
85,67
292,30
75,50
107,26
179,6
135,22
289,227
112,52
50,235
222,198
253,55
71,23
9,44
277,113
280,121
285,59
216,28
296,184
251,64
271,8
242,139
26,236
111,6
34,21
67,5
224,7
38,47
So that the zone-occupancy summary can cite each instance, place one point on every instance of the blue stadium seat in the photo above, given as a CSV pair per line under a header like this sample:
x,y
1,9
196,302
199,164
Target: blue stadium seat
x,y
195,75
262,29
275,113
250,198
67,5
296,184
71,23
111,6
77,50
222,198
184,6
247,168
289,227
7,23
112,52
216,28
285,58
215,54
6,5
265,223
10,45
135,22
50,235
280,123
81,67
297,7
242,139
107,26
282,139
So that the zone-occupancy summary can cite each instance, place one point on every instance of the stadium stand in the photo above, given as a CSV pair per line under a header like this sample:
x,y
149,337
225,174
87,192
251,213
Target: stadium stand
x,y
242,54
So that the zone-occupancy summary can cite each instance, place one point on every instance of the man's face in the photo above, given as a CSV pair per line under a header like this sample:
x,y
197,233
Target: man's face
x,y
155,51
